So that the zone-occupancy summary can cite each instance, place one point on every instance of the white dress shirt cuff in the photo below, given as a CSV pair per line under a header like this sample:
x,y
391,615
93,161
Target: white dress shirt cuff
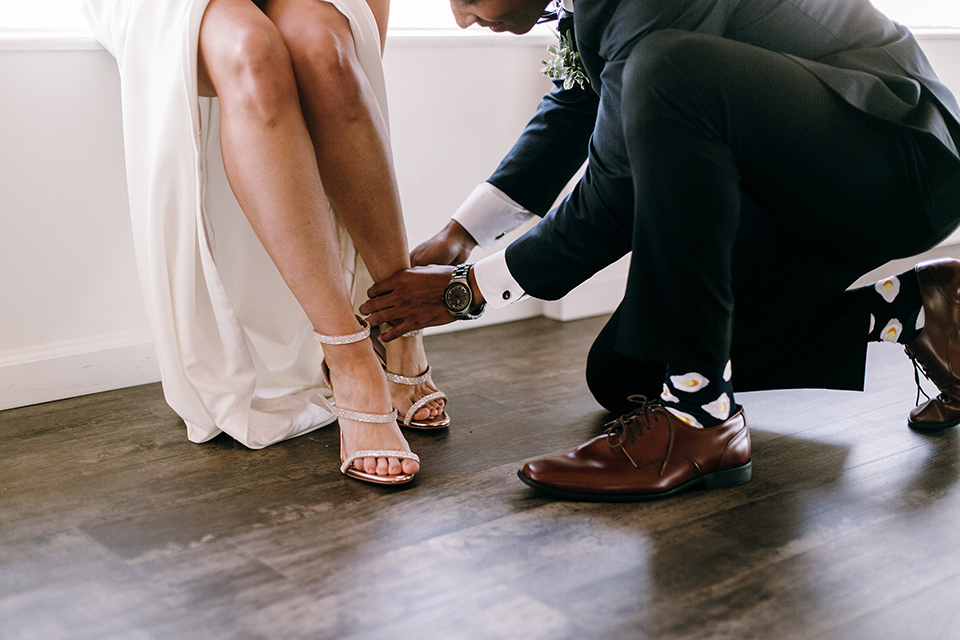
x,y
488,213
498,287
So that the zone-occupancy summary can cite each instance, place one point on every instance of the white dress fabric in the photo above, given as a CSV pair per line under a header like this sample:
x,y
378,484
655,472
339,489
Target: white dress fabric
x,y
235,349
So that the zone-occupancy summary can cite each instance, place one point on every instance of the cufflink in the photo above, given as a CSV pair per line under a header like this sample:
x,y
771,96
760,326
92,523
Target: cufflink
x,y
506,295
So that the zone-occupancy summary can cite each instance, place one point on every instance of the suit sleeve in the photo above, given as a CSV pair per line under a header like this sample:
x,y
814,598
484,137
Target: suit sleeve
x,y
552,147
586,233
593,227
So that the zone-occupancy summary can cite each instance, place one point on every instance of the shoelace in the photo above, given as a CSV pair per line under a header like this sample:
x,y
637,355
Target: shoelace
x,y
628,425
917,371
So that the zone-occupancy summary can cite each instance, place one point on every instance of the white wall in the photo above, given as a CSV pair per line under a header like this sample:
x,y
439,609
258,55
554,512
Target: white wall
x,y
71,318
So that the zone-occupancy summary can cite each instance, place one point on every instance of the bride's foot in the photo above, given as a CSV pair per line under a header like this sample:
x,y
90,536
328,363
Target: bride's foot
x,y
359,390
415,396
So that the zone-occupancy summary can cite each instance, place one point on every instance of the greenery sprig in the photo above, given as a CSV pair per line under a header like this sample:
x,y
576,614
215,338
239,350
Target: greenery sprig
x,y
566,64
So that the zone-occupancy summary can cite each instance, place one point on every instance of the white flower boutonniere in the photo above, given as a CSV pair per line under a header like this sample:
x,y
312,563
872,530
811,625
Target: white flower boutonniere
x,y
566,64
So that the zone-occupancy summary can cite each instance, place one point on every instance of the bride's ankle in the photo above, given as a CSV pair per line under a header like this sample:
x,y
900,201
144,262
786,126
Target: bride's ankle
x,y
353,373
354,356
410,347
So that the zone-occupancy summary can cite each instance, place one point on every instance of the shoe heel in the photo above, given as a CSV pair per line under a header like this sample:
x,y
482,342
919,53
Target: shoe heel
x,y
728,478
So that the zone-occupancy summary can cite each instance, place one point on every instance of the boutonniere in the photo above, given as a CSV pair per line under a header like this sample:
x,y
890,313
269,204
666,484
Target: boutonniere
x,y
566,64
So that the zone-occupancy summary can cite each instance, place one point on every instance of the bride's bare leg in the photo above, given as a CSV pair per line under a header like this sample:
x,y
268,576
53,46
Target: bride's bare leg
x,y
353,156
272,168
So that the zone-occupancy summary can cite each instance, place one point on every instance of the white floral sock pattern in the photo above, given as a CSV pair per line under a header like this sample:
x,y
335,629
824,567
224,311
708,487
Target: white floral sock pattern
x,y
896,308
701,398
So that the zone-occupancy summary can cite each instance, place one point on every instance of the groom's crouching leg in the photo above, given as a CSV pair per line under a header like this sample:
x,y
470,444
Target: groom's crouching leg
x,y
648,454
613,377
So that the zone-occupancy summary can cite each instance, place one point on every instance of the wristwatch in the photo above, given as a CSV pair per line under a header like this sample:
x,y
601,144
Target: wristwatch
x,y
458,296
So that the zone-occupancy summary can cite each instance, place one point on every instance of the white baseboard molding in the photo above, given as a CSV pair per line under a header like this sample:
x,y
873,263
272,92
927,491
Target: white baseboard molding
x,y
76,368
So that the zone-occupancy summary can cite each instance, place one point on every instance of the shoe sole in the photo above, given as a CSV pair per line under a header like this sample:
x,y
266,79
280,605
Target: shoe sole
x,y
717,480
385,481
931,426
426,425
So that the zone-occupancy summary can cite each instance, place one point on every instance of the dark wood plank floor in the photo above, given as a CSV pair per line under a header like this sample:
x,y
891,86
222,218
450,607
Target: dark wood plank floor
x,y
112,525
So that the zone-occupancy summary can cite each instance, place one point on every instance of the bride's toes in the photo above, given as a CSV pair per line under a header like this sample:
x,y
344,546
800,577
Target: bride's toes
x,y
394,468
383,467
423,413
409,467
430,410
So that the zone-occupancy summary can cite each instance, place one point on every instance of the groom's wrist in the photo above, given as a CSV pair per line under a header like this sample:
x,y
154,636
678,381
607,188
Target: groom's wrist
x,y
459,234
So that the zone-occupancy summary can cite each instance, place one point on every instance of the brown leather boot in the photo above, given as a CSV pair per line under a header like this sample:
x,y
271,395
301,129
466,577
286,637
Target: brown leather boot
x,y
936,351
935,414
646,455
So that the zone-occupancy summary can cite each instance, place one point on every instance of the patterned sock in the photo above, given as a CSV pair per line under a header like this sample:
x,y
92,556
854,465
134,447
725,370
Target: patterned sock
x,y
896,309
700,397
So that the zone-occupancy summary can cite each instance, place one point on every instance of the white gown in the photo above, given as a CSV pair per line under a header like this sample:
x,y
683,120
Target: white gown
x,y
235,349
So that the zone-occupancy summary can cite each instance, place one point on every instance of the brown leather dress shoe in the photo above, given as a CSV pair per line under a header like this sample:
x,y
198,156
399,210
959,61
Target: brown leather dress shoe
x,y
936,351
646,455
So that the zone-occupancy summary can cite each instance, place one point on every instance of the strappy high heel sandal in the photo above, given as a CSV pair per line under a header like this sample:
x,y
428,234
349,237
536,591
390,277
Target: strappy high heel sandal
x,y
346,463
441,421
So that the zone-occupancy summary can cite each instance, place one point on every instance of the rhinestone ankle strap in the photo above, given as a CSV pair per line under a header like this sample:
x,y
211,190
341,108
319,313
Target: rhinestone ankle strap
x,y
386,326
410,381
360,416
363,334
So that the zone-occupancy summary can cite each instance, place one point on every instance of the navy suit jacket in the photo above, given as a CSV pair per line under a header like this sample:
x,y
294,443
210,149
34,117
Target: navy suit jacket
x,y
875,64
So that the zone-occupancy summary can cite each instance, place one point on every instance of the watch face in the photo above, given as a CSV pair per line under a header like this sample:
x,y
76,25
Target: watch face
x,y
457,297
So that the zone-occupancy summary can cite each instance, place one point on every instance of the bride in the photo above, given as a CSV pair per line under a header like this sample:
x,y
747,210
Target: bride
x,y
304,148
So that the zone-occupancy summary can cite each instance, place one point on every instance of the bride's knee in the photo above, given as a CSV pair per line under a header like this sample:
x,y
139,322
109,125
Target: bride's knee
x,y
252,71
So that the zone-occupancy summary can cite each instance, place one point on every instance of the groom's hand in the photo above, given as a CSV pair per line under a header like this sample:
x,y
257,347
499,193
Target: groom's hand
x,y
451,245
408,300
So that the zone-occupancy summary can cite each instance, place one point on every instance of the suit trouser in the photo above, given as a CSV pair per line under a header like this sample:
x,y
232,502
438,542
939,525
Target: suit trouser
x,y
760,196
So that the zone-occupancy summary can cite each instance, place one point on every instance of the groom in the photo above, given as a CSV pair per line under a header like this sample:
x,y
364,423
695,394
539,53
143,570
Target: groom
x,y
756,157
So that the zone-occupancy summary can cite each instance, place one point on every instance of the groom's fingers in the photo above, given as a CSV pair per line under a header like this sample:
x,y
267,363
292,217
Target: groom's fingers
x,y
396,331
404,318
409,300
378,311
412,287
421,319
373,304
379,318
383,287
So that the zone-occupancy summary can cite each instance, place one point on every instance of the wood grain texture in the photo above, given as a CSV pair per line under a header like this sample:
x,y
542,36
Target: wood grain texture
x,y
113,525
